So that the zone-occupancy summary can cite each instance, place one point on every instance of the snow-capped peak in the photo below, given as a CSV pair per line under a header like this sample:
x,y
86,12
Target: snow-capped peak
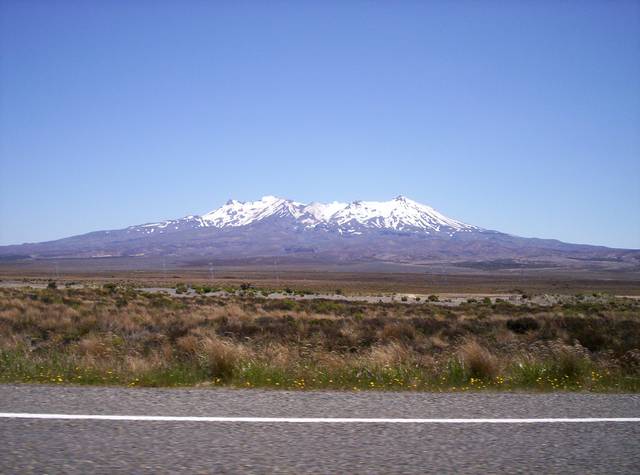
x,y
398,214
240,213
322,212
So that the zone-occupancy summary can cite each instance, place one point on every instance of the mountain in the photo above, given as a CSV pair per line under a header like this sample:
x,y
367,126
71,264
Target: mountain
x,y
400,214
400,230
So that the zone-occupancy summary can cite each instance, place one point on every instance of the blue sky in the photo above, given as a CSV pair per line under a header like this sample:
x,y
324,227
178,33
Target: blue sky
x,y
517,116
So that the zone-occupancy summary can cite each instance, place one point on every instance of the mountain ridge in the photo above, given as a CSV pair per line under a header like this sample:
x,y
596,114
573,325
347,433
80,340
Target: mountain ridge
x,y
399,230
399,214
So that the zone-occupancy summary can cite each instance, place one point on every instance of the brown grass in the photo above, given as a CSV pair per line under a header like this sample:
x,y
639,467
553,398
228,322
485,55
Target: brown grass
x,y
122,335
478,361
221,357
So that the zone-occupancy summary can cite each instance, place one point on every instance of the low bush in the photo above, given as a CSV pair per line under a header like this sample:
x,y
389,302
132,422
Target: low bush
x,y
477,361
117,335
522,325
181,288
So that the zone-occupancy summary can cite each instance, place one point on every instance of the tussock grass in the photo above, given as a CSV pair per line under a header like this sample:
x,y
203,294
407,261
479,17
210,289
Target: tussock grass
x,y
121,336
478,362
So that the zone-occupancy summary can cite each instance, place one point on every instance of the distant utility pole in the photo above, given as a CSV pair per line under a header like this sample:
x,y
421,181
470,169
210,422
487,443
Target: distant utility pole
x,y
275,267
164,267
211,276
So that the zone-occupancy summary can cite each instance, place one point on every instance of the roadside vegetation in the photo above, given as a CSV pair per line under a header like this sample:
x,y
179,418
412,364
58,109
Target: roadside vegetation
x,y
118,335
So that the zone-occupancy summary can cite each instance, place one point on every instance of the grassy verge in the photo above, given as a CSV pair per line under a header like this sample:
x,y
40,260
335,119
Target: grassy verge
x,y
122,336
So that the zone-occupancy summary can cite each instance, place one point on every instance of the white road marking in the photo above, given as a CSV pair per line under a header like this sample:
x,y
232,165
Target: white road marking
x,y
315,420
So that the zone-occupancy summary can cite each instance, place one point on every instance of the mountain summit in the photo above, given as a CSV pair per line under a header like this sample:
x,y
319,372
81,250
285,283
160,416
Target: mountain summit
x,y
399,214
399,230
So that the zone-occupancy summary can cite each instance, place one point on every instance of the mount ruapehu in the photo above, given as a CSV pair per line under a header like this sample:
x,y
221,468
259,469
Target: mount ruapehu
x,y
398,231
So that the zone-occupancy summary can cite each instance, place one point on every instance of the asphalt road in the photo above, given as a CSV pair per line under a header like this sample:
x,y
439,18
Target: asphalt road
x,y
125,446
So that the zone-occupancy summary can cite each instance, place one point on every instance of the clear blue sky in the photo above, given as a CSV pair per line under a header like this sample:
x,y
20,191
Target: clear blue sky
x,y
517,116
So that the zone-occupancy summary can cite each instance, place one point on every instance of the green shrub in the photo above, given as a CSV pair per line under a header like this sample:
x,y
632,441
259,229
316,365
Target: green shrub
x,y
281,304
568,363
110,287
455,374
522,325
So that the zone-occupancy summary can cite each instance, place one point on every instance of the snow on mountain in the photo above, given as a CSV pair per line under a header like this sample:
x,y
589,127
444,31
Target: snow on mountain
x,y
237,213
399,214
321,212
400,230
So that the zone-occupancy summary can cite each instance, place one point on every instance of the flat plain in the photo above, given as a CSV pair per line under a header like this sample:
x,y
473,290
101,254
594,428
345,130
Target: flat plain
x,y
303,329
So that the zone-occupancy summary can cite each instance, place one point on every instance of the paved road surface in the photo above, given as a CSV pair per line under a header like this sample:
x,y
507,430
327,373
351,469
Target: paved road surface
x,y
107,446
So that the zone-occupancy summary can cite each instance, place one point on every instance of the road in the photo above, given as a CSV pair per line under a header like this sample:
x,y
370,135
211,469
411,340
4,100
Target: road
x,y
151,446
